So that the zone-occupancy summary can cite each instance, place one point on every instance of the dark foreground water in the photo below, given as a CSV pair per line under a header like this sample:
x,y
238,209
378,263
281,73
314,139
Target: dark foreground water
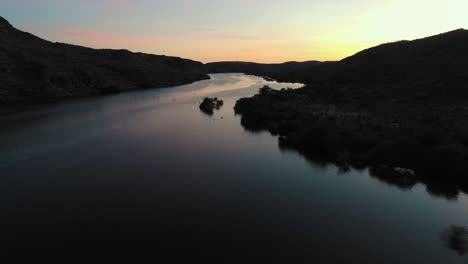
x,y
140,176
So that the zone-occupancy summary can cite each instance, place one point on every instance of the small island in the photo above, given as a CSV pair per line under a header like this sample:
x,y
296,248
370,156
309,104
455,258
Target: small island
x,y
208,105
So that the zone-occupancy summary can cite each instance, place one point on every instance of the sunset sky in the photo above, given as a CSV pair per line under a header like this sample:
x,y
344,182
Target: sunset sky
x,y
247,30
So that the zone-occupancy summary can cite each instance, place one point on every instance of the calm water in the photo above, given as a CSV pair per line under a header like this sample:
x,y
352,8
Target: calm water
x,y
146,174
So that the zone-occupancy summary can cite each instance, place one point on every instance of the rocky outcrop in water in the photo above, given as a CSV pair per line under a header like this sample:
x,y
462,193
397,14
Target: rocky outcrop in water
x,y
208,105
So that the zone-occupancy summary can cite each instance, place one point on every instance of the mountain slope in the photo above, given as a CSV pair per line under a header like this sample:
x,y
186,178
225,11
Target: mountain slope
x,y
401,104
446,45
441,56
35,70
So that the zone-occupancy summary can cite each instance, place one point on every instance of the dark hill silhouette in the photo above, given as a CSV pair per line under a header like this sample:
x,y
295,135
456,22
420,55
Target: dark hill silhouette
x,y
428,58
446,45
444,54
402,104
36,70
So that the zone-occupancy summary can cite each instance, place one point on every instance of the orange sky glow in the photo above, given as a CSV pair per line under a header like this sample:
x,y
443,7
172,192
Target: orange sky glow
x,y
221,30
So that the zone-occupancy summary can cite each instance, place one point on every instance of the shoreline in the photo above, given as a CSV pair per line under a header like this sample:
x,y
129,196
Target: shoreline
x,y
26,106
347,136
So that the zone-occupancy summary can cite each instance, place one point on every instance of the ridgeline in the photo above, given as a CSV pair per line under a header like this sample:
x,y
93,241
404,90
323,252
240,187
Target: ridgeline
x,y
33,70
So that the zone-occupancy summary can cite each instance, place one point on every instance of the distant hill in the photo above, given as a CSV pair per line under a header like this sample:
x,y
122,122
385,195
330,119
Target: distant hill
x,y
36,70
440,56
277,71
443,46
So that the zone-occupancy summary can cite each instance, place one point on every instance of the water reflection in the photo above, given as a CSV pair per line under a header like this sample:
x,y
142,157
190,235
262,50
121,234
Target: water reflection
x,y
143,175
456,238
437,187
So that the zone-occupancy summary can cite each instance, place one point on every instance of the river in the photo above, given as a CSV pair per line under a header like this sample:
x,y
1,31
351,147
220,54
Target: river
x,y
142,175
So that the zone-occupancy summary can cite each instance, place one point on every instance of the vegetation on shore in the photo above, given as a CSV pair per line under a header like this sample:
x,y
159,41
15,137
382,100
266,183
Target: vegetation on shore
x,y
426,142
399,105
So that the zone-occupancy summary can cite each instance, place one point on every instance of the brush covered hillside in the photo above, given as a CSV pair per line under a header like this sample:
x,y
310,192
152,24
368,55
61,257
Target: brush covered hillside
x,y
438,57
36,70
429,72
402,104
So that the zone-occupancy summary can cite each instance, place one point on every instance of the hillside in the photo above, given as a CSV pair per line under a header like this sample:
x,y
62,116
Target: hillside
x,y
444,55
36,70
429,58
401,104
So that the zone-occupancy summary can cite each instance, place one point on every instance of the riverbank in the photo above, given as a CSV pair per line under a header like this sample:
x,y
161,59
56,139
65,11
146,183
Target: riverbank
x,y
433,143
400,104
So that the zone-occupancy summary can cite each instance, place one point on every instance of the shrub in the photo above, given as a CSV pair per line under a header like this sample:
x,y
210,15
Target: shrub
x,y
447,158
265,89
398,152
431,137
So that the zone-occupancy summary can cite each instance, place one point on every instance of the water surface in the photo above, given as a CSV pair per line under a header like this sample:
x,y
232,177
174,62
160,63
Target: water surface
x,y
146,174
